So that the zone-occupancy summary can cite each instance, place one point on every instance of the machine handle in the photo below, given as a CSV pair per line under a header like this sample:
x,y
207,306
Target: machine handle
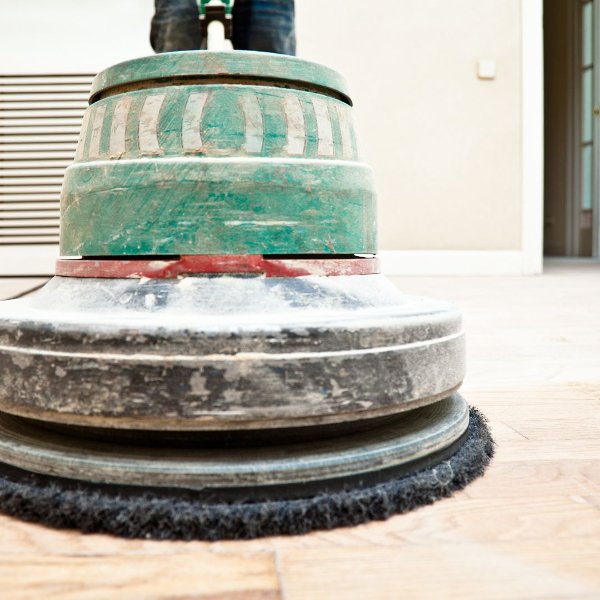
x,y
216,24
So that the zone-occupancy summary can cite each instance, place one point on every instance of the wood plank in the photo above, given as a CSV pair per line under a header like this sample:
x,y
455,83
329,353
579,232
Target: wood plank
x,y
10,287
460,570
176,576
538,479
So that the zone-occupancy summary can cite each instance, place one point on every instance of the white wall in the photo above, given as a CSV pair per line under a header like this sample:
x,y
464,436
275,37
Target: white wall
x,y
38,36
446,147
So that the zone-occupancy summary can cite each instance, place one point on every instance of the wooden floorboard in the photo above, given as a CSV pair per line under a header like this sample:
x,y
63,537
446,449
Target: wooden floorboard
x,y
529,529
13,287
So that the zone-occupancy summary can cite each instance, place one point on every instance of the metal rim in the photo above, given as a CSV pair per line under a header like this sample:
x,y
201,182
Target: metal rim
x,y
413,436
229,66
225,353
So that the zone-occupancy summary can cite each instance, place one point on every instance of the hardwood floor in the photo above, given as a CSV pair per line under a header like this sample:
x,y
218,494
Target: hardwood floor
x,y
14,287
529,529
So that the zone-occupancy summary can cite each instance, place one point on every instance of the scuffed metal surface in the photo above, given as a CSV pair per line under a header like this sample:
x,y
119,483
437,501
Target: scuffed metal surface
x,y
218,352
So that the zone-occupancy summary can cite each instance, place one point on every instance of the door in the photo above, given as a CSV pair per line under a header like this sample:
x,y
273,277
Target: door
x,y
585,204
572,127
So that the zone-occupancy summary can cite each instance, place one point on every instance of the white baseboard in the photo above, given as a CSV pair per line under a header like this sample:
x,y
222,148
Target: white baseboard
x,y
39,260
454,262
27,260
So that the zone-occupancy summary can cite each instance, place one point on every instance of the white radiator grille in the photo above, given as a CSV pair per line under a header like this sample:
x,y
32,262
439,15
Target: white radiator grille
x,y
40,117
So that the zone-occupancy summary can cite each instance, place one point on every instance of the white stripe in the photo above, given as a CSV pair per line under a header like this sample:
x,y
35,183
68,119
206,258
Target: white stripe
x,y
324,129
344,121
83,134
254,124
191,137
94,150
118,126
296,128
148,136
235,358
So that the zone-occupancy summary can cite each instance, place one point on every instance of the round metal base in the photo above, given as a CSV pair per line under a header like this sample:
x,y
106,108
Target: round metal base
x,y
171,513
225,353
398,446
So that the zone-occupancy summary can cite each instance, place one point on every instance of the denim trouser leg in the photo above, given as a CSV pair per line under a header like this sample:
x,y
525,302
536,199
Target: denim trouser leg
x,y
265,25
175,26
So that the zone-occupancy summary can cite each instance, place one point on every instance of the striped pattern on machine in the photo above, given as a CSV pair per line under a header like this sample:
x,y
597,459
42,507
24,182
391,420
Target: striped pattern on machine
x,y
217,121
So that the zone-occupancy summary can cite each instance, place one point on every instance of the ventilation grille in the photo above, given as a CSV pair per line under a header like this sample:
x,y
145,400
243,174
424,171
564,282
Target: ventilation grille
x,y
40,117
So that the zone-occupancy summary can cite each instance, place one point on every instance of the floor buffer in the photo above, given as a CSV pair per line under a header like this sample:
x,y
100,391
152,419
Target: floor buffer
x,y
218,355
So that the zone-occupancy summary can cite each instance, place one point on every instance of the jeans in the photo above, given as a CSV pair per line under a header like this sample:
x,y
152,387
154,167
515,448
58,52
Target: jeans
x,y
263,25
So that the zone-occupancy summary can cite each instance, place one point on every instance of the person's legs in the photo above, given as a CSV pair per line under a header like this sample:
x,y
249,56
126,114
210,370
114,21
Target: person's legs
x,y
264,25
175,26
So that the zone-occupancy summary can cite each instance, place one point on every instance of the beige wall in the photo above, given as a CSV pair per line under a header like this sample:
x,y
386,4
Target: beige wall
x,y
444,145
69,36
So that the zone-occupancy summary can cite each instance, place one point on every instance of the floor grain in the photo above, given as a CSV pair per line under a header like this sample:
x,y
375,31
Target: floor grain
x,y
529,529
13,287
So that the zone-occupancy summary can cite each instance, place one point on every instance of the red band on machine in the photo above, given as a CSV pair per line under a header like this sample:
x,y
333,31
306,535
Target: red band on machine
x,y
214,264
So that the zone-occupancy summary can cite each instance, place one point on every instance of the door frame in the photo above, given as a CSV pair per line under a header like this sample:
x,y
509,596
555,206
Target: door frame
x,y
532,136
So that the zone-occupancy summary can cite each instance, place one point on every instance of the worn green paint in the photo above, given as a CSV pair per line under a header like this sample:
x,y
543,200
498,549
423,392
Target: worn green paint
x,y
240,164
288,70
222,124
228,4
218,206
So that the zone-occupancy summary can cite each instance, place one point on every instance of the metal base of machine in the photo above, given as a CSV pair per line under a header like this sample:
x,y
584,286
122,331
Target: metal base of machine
x,y
203,406
177,513
283,470
225,353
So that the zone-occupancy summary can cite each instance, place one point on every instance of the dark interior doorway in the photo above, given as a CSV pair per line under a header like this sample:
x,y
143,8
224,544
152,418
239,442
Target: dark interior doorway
x,y
571,123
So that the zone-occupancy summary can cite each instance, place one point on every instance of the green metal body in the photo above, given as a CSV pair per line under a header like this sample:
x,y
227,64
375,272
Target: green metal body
x,y
228,4
228,153
223,67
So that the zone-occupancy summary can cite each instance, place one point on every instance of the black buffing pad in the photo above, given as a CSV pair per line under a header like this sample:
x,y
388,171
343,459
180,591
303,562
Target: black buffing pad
x,y
165,513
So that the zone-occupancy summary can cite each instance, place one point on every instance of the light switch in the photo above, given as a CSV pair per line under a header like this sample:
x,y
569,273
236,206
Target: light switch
x,y
486,68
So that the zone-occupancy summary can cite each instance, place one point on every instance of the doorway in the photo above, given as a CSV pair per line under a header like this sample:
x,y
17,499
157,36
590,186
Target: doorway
x,y
572,121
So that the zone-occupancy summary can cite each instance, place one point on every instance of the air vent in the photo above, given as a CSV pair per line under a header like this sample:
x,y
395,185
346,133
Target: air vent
x,y
40,117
